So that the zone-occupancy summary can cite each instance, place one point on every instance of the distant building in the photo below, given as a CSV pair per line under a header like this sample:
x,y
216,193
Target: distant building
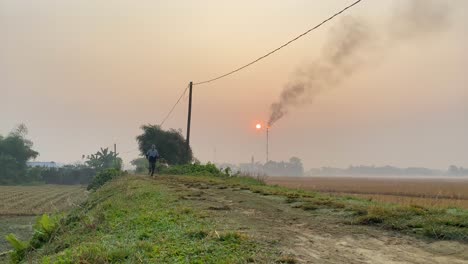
x,y
43,164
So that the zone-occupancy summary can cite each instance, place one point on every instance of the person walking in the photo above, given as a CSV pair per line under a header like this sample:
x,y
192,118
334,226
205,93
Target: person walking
x,y
152,156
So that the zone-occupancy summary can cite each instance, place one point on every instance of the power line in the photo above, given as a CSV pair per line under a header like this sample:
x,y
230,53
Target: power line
x,y
258,59
280,47
165,118
173,107
130,150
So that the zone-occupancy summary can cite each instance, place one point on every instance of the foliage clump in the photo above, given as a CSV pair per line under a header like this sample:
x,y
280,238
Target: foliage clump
x,y
19,248
104,159
195,169
170,144
103,177
15,151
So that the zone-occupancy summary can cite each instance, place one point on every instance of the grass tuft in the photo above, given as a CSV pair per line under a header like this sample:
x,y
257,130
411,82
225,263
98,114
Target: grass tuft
x,y
201,234
233,237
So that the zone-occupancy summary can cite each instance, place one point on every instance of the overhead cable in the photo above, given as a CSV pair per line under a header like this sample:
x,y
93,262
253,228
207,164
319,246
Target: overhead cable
x,y
280,47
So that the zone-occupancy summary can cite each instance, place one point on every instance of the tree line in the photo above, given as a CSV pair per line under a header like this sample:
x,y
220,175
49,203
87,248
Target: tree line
x,y
293,167
16,150
386,171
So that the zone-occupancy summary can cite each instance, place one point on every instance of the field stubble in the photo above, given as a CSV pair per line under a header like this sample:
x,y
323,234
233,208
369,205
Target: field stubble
x,y
404,191
35,200
19,206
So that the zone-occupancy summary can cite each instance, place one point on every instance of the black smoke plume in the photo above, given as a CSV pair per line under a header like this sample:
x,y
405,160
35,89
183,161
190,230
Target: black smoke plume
x,y
352,44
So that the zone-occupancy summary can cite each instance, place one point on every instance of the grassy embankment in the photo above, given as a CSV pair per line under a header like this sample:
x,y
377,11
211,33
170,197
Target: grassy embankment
x,y
138,220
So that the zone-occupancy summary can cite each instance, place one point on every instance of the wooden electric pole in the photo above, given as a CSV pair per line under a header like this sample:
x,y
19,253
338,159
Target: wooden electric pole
x,y
189,119
115,154
267,140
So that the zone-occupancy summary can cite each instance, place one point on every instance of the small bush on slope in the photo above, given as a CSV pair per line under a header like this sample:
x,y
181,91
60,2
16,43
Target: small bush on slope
x,y
103,177
195,169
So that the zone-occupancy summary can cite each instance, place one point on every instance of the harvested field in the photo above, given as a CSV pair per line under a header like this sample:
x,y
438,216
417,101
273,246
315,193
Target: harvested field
x,y
34,200
19,206
425,192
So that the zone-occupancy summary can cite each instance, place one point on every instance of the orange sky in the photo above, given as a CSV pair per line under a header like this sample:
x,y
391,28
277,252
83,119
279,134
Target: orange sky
x,y
85,74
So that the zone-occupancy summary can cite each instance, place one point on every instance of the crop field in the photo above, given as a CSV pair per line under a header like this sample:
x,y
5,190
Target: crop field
x,y
34,200
407,191
19,206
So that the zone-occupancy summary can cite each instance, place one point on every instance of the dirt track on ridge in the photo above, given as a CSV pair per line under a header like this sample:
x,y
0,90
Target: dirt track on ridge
x,y
311,237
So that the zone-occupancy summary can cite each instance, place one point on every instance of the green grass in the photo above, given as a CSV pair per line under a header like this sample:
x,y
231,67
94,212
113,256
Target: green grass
x,y
135,220
429,222
138,220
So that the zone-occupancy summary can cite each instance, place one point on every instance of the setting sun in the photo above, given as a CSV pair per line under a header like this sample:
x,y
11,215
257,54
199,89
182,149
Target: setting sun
x,y
258,126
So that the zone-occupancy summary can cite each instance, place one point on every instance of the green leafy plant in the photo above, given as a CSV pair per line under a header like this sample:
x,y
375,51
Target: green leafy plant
x,y
46,224
19,248
104,159
44,230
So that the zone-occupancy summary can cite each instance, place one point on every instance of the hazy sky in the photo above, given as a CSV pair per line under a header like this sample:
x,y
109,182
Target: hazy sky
x,y
85,74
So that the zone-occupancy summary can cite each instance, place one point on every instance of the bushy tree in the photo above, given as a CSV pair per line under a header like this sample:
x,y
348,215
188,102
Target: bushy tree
x,y
15,151
104,159
170,144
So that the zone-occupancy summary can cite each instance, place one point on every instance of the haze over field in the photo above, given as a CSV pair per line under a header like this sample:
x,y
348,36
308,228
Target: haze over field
x,y
85,74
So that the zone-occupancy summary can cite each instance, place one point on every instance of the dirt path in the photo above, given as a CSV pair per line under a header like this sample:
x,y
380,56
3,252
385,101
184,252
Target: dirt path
x,y
311,237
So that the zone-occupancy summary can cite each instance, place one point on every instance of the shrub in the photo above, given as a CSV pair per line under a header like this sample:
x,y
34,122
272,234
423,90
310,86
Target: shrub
x,y
103,177
19,248
44,230
196,169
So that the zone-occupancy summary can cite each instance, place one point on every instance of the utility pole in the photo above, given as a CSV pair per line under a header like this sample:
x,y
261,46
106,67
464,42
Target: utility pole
x,y
267,130
214,155
115,154
189,119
